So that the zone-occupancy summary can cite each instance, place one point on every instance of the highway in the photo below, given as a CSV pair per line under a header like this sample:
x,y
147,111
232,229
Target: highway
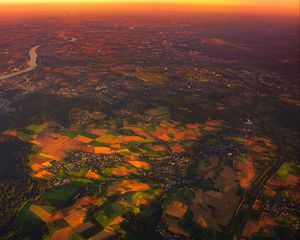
x,y
241,214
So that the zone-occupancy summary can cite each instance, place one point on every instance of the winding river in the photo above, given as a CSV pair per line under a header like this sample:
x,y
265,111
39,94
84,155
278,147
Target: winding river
x,y
32,63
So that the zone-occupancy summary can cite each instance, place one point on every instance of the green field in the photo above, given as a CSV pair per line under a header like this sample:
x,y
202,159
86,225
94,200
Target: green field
x,y
29,223
60,196
148,77
36,128
25,135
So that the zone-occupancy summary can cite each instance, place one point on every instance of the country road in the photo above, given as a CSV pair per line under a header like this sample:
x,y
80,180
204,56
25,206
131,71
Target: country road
x,y
239,216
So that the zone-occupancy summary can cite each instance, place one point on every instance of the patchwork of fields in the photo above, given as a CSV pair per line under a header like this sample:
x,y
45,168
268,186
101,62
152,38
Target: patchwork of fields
x,y
86,201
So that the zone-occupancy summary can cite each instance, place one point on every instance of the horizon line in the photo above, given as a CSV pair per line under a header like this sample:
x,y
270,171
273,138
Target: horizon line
x,y
162,7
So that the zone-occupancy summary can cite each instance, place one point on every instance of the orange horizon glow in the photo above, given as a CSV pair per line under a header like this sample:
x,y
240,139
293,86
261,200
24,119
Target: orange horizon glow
x,y
279,3
264,7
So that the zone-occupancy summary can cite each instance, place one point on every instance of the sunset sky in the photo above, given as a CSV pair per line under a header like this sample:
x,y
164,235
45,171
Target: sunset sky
x,y
278,6
283,3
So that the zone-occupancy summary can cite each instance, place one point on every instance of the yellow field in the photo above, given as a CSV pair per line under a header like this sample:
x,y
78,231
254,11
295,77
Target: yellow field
x,y
128,185
92,175
139,164
176,209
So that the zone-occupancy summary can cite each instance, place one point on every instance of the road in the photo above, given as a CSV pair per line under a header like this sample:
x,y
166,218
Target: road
x,y
241,215
33,56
